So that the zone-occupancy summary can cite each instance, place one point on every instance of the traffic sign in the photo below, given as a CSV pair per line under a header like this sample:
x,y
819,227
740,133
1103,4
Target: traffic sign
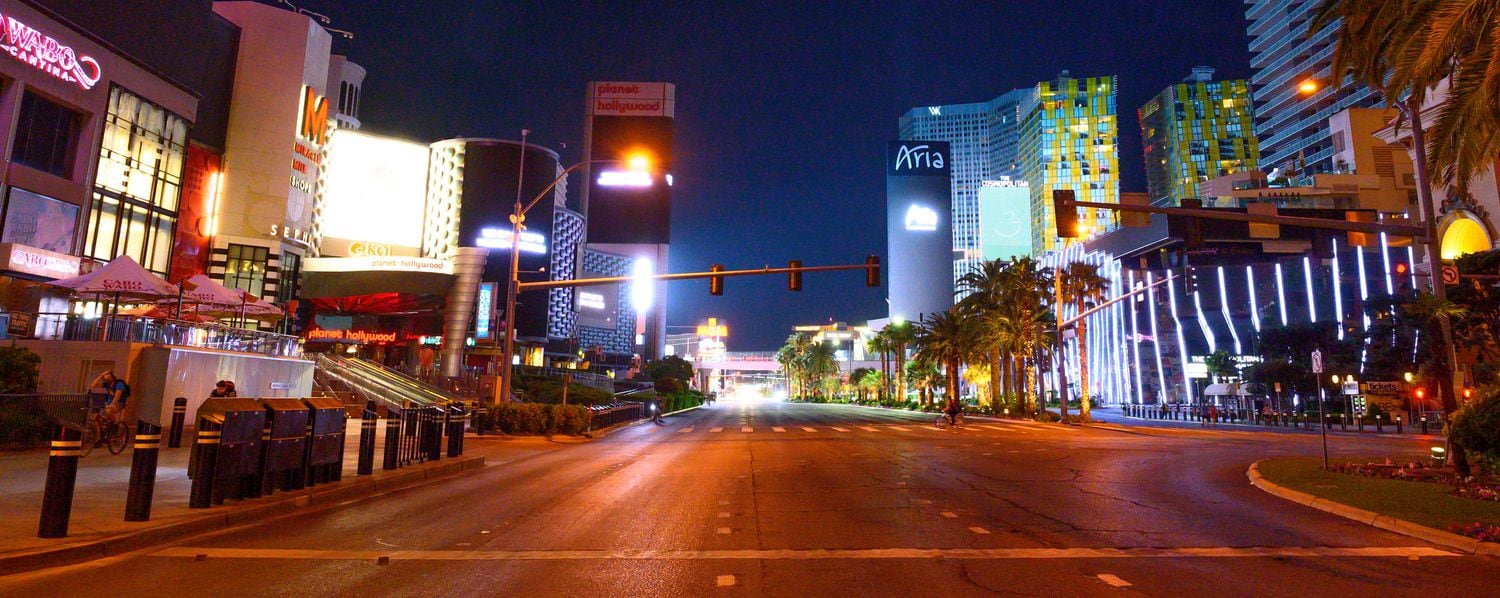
x,y
1317,361
1450,275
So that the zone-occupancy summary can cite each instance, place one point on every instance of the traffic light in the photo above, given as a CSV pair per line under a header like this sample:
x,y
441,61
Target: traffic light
x,y
716,283
872,272
1192,231
794,278
1065,213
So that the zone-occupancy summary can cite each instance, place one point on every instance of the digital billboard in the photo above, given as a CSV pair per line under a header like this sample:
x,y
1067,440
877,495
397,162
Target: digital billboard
x,y
629,120
599,306
919,228
1004,219
374,193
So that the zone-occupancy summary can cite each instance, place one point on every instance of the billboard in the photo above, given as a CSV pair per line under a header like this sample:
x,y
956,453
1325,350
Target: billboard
x,y
628,119
919,227
1004,219
374,195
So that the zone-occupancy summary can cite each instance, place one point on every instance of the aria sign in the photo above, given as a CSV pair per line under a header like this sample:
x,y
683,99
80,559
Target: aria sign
x,y
46,54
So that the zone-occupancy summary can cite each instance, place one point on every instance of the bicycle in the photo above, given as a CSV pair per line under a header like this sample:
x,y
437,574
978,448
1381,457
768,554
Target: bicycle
x,y
958,422
102,429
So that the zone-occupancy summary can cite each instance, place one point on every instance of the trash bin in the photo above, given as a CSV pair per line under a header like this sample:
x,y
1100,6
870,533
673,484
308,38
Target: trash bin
x,y
286,444
325,446
237,455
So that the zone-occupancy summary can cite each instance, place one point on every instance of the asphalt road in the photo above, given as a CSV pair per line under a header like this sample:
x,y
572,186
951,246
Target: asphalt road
x,y
822,500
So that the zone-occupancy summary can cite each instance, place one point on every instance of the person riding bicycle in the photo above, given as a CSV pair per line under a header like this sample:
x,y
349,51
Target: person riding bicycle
x,y
117,394
656,406
953,408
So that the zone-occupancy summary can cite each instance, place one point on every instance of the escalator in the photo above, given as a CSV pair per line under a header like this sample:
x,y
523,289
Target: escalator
x,y
356,381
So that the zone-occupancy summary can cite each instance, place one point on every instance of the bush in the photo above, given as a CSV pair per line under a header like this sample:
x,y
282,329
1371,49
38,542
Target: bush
x,y
540,418
544,389
19,370
1476,426
1048,416
668,386
23,426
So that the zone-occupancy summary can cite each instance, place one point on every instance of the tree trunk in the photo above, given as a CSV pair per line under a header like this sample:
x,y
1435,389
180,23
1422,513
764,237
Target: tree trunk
x,y
1444,369
995,379
1083,369
901,372
1031,387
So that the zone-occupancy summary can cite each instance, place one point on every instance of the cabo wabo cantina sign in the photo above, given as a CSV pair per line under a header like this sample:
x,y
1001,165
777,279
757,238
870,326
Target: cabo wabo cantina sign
x,y
45,53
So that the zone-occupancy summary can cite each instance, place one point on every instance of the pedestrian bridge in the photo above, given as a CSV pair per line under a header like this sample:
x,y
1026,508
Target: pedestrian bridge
x,y
763,361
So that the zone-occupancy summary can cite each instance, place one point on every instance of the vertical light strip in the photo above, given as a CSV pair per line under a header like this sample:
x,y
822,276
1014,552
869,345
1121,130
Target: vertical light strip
x,y
1411,266
1161,372
1224,309
1312,305
1385,258
1338,292
1254,307
1280,294
1364,290
1187,384
1135,341
1208,333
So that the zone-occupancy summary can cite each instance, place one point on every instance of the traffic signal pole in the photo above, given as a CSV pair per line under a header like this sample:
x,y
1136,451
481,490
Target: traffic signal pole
x,y
872,270
1403,230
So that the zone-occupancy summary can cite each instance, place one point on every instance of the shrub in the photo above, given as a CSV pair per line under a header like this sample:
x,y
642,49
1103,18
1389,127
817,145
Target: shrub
x,y
1048,416
668,386
23,426
1476,426
570,420
539,418
544,389
19,370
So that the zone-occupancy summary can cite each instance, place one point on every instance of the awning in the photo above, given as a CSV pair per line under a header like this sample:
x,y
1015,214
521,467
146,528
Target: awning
x,y
1219,389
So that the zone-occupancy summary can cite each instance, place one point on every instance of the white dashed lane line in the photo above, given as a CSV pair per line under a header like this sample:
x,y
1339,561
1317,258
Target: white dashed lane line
x,y
724,581
716,430
685,430
747,429
1113,580
868,428
807,429
777,429
838,429
979,530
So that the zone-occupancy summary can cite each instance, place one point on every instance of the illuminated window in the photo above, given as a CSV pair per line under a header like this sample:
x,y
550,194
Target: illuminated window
x,y
139,180
45,135
245,268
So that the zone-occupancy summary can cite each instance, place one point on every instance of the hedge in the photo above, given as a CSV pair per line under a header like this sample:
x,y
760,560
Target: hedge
x,y
541,418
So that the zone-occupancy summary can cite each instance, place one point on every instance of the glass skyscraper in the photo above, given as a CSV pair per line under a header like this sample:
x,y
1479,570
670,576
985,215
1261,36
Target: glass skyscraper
x,y
1293,129
984,140
1068,141
1194,131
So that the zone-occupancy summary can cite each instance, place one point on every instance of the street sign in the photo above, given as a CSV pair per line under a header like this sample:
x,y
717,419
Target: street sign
x,y
1351,388
1317,361
1450,275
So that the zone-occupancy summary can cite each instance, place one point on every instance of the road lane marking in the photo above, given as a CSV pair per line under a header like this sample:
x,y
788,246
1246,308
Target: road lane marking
x,y
721,531
807,429
724,581
777,429
685,430
836,428
723,515
950,514
724,503
979,530
747,429
897,428
716,430
190,552
868,428
1113,580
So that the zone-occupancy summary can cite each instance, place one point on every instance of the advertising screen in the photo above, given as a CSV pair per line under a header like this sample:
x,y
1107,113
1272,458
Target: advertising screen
x,y
374,192
598,307
1004,219
919,228
627,207
39,221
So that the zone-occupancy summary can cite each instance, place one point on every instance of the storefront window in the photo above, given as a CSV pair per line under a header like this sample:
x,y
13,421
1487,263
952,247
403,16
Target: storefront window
x,y
139,181
45,135
39,221
289,287
246,268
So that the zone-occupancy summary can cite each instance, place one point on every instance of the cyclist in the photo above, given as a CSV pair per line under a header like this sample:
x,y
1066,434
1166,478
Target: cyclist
x,y
656,411
117,394
952,410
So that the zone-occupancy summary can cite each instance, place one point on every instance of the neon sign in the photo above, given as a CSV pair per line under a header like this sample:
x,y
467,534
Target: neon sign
x,y
312,123
484,310
921,218
499,238
48,55
627,178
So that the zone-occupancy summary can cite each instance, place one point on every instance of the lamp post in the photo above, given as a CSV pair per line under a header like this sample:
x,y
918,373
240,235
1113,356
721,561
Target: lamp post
x,y
512,288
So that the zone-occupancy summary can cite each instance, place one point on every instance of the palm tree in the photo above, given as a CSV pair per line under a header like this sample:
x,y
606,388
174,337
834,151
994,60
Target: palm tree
x,y
942,339
924,376
1404,48
1081,285
792,357
1432,312
901,335
819,364
986,305
880,343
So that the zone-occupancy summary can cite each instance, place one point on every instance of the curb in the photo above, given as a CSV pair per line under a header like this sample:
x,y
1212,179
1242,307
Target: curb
x,y
237,515
1464,544
1281,429
597,434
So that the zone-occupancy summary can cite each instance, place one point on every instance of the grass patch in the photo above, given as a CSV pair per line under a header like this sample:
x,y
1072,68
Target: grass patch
x,y
1424,503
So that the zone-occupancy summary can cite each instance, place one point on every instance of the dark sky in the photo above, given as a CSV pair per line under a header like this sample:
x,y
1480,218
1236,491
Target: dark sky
x,y
783,108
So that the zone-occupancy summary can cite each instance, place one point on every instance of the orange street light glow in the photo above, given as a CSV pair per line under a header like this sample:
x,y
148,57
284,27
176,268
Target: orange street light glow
x,y
1307,87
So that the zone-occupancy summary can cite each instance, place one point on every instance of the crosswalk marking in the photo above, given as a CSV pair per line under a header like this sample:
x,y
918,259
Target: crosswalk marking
x,y
716,430
836,428
807,429
685,430
747,429
777,429
868,428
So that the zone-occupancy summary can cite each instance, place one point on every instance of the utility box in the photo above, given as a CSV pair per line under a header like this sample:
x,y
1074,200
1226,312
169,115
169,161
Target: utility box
x,y
237,463
286,443
325,446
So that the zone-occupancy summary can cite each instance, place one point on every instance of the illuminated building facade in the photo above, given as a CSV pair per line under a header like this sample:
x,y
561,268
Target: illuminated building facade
x,y
1069,141
1194,131
984,138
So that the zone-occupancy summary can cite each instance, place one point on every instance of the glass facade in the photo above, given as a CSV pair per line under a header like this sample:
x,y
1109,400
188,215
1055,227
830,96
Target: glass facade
x,y
45,136
1068,141
245,268
136,191
1195,131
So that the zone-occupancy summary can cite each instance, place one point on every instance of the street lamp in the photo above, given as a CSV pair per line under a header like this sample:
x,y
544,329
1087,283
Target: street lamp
x,y
638,163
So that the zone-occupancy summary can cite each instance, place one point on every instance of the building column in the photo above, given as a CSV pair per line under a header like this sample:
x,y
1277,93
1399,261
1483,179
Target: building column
x,y
468,268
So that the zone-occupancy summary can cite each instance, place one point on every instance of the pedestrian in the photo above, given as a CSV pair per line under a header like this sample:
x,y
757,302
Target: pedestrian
x,y
656,406
1213,413
426,357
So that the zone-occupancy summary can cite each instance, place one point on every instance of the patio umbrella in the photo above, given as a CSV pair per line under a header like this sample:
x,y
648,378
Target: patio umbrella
x,y
121,278
202,290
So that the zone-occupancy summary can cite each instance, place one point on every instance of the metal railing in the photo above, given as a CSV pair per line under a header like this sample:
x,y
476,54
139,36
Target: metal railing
x,y
606,416
584,377
26,420
76,327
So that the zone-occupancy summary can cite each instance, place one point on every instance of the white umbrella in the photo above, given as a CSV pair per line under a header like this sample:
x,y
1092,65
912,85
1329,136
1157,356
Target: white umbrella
x,y
121,277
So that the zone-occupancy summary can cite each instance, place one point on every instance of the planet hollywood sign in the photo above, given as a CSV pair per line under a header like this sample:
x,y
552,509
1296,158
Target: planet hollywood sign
x,y
44,52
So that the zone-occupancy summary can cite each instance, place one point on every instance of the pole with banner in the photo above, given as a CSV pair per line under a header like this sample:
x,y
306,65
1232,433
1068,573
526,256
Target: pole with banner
x,y
1317,368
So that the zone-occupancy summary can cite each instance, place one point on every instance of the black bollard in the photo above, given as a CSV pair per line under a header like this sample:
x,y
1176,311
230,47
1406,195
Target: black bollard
x,y
179,417
205,457
62,474
1398,424
367,440
435,429
455,430
392,439
1424,425
143,472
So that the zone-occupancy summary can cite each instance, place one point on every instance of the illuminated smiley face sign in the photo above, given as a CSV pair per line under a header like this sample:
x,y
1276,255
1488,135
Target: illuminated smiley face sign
x,y
921,218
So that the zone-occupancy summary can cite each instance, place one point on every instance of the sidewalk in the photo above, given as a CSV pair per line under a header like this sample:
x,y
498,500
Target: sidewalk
x,y
97,527
1115,416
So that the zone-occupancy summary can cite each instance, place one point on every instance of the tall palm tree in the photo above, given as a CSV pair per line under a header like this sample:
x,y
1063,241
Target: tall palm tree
x,y
819,365
1432,312
792,357
942,339
1027,287
880,343
1406,47
1081,285
901,335
985,305
923,375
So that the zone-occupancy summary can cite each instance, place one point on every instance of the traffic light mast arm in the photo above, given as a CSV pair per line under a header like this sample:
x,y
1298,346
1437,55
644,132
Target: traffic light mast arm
x,y
1402,230
1090,311
588,282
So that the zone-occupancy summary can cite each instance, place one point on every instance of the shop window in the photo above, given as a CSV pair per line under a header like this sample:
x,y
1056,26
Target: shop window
x,y
136,191
45,135
246,268
290,285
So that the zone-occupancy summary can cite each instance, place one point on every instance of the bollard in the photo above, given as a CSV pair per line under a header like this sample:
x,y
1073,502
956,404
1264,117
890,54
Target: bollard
x,y
367,440
1379,425
455,430
392,439
435,428
179,417
62,474
1398,424
1424,425
205,455
143,471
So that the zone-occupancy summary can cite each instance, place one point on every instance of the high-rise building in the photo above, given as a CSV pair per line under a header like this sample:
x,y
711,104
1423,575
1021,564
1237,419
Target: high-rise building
x,y
1293,128
984,138
1068,141
1194,131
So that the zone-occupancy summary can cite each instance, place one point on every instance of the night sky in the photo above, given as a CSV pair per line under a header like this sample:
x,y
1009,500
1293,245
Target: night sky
x,y
783,108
